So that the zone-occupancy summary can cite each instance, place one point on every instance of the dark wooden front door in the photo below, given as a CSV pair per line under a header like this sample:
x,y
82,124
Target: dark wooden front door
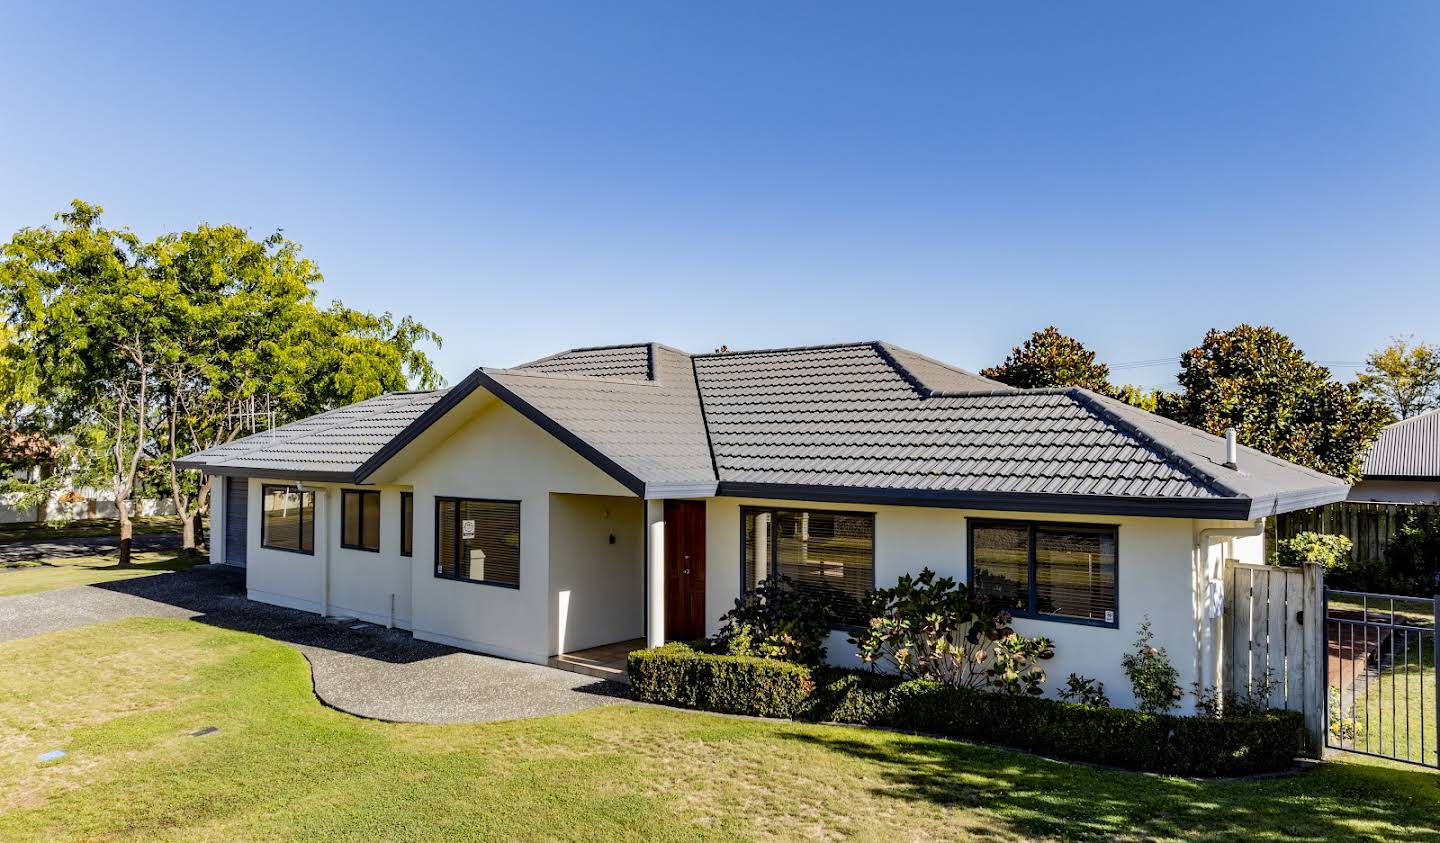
x,y
684,570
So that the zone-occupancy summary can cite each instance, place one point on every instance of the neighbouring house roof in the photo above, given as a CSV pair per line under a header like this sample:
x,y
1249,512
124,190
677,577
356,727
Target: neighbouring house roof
x,y
1406,450
862,422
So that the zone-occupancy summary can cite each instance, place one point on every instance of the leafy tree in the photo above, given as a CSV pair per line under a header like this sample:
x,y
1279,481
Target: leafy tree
x,y
1405,377
1255,380
1146,399
1052,359
246,332
143,352
81,302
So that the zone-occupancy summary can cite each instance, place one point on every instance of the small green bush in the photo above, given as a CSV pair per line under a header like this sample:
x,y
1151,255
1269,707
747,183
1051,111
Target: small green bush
x,y
1152,678
776,620
677,674
1197,746
1330,551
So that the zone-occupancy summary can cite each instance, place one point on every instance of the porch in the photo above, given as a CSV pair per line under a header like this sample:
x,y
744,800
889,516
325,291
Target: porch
x,y
607,661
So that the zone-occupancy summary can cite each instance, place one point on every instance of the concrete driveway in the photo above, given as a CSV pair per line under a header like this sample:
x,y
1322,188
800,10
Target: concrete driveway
x,y
370,671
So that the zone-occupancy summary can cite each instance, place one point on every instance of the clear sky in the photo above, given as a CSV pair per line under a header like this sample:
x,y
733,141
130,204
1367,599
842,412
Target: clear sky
x,y
526,177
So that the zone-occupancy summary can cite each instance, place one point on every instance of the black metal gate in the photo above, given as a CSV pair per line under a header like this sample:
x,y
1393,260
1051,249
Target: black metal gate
x,y
1382,694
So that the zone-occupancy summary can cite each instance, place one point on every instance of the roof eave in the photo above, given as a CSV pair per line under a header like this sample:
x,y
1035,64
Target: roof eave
x,y
1230,509
223,470
1282,502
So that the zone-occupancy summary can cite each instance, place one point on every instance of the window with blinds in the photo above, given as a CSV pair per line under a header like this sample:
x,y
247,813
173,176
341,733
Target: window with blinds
x,y
360,519
829,554
407,524
478,541
1054,571
287,519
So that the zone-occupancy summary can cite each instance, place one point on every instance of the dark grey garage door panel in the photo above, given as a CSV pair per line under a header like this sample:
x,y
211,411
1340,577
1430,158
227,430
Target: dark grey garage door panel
x,y
237,506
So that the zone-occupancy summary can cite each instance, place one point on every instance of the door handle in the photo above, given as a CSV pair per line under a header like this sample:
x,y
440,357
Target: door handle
x,y
687,572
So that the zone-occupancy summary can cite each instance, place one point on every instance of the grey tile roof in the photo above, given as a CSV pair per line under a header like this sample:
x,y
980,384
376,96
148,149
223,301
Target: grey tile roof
x,y
331,445
1408,448
867,422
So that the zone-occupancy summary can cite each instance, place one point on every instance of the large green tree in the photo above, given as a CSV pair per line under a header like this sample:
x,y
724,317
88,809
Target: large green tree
x,y
1405,376
1052,359
83,306
162,348
1257,381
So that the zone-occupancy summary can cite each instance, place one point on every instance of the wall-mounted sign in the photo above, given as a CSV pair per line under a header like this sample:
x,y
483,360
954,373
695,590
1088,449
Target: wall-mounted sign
x,y
467,528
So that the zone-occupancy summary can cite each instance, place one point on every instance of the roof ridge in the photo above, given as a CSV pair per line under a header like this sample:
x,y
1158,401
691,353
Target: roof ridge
x,y
823,347
889,348
1087,399
570,376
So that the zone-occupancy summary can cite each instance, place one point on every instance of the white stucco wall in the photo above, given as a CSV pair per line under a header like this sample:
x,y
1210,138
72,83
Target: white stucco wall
x,y
282,577
1157,576
1397,491
497,454
597,588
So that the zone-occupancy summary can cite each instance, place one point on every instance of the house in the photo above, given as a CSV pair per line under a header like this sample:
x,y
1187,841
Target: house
x,y
1403,466
603,495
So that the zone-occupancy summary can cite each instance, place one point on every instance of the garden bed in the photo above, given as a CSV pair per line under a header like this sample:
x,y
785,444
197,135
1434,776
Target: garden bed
x,y
1194,746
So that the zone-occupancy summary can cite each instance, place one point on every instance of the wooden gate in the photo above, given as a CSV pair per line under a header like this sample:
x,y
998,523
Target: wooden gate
x,y
1273,658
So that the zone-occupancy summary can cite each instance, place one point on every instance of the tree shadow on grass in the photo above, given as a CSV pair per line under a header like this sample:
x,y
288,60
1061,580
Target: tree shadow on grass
x,y
1043,797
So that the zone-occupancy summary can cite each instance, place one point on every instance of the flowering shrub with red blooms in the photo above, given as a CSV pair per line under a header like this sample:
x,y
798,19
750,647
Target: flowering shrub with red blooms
x,y
1153,679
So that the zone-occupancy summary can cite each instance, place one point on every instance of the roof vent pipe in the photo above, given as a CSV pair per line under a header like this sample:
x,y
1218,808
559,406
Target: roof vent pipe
x,y
1230,448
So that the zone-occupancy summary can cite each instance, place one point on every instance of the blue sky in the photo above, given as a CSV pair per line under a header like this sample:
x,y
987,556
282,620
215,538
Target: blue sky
x,y
525,177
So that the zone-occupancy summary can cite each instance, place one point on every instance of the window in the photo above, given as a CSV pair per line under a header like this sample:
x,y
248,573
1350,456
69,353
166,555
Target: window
x,y
478,541
1053,571
407,524
360,520
287,519
829,554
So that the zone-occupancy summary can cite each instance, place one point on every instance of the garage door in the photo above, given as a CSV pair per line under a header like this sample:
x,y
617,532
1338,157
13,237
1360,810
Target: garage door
x,y
237,505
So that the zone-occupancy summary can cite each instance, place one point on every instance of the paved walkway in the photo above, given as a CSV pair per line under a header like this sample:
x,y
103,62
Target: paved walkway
x,y
29,550
370,671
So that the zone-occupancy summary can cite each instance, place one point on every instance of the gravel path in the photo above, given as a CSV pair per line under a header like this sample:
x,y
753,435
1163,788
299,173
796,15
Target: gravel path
x,y
371,671
30,550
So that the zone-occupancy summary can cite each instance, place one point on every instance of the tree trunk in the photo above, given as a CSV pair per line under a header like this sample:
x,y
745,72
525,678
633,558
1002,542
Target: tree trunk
x,y
187,537
127,530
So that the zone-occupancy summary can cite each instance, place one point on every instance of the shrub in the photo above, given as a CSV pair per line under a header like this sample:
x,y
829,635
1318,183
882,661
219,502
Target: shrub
x,y
1152,678
677,674
1413,557
1331,551
1165,743
776,620
929,627
1198,746
1082,690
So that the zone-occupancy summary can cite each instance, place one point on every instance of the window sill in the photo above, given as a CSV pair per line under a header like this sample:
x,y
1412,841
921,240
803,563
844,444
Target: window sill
x,y
344,546
287,550
492,583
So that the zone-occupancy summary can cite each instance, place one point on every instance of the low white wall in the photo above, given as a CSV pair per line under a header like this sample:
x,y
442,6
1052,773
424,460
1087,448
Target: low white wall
x,y
1156,578
94,504
597,585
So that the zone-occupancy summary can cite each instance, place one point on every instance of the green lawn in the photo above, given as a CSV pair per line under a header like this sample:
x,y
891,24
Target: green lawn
x,y
46,574
1398,709
122,699
88,528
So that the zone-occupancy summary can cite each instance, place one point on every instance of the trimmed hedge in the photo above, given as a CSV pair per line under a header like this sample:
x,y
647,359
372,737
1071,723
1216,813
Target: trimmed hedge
x,y
677,674
1191,746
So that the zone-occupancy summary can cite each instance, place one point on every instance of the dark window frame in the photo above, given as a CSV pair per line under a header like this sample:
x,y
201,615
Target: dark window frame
x,y
1031,599
360,522
774,545
265,489
407,525
519,540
